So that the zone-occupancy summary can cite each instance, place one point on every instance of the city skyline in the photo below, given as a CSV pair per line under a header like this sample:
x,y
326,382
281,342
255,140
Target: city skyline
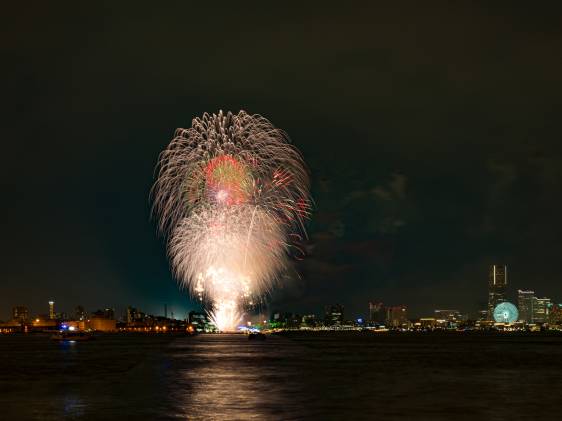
x,y
412,202
532,307
281,210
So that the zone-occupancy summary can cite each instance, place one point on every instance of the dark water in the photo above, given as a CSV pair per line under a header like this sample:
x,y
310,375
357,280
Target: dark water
x,y
322,376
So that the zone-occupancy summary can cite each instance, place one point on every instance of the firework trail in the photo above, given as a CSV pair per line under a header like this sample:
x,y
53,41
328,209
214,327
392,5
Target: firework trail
x,y
230,192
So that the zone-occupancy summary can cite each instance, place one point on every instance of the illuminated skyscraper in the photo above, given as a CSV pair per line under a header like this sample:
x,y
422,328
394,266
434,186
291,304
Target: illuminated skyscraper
x,y
525,303
377,313
334,315
541,307
397,316
555,314
51,310
497,283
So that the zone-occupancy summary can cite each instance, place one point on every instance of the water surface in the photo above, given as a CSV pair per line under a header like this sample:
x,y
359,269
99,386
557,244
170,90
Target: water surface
x,y
333,375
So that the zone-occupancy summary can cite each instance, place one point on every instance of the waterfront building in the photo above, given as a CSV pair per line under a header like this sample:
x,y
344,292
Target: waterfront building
x,y
377,312
541,308
309,320
106,313
103,324
397,316
428,323
288,320
20,314
10,326
448,315
497,283
525,299
555,314
134,315
200,322
334,315
51,310
103,320
43,323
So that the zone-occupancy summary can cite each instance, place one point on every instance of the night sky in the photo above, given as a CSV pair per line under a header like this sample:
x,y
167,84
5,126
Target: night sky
x,y
433,138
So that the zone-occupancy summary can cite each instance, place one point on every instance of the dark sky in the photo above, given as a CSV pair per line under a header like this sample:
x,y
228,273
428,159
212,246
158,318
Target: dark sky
x,y
433,138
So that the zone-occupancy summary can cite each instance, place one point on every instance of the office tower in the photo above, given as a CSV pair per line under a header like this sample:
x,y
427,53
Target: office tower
x,y
497,282
20,313
555,314
51,310
397,316
377,313
525,303
334,315
541,308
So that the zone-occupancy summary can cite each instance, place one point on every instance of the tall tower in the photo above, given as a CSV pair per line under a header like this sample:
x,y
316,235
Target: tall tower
x,y
541,307
525,300
497,283
51,310
377,312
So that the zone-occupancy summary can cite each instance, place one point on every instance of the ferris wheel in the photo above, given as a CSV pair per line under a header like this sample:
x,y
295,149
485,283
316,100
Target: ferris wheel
x,y
506,313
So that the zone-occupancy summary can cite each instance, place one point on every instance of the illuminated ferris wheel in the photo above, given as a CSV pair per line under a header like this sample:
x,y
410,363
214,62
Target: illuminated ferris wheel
x,y
506,313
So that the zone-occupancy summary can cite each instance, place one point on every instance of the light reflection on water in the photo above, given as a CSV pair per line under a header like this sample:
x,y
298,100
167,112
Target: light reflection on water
x,y
347,376
231,377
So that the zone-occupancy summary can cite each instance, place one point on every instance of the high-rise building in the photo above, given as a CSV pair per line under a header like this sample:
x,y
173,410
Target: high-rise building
x,y
334,315
497,282
541,307
80,313
397,316
555,314
377,313
51,310
20,313
525,301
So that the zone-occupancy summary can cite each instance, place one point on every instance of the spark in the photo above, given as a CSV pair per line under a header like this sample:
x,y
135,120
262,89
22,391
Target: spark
x,y
231,192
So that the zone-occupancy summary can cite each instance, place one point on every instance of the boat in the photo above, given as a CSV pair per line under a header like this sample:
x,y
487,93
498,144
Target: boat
x,y
66,335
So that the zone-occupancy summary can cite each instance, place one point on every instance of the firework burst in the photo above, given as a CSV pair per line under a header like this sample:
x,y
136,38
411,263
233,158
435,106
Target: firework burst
x,y
231,190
